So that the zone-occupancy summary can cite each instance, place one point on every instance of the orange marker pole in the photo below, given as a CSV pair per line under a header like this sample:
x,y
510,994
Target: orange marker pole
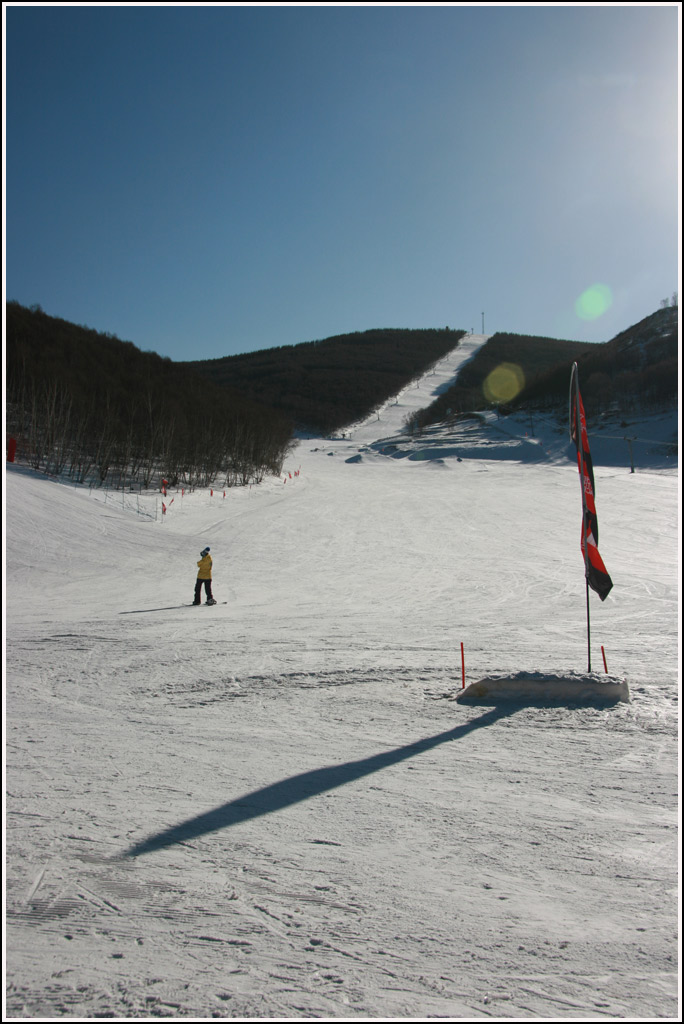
x,y
604,659
462,666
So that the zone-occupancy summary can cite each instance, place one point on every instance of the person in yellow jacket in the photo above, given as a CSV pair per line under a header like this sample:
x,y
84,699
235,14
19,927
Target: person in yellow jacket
x,y
204,577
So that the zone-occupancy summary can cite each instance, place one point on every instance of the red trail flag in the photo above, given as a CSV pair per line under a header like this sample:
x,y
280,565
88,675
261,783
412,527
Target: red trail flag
x,y
597,577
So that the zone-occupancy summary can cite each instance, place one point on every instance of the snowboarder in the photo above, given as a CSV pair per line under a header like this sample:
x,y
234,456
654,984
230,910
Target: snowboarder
x,y
204,577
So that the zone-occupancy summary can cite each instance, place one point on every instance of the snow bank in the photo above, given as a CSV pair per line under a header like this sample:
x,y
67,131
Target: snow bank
x,y
572,688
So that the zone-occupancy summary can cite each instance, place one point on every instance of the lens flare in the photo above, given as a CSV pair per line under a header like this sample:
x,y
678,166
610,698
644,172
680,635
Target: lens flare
x,y
594,302
504,383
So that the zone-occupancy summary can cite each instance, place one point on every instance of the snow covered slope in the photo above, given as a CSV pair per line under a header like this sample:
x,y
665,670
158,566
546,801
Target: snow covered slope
x,y
419,394
278,807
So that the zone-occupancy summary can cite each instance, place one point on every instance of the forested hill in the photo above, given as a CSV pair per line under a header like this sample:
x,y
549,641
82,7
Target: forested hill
x,y
93,407
326,385
86,403
637,371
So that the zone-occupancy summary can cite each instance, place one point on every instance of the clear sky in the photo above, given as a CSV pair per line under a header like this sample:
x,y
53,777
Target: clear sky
x,y
204,180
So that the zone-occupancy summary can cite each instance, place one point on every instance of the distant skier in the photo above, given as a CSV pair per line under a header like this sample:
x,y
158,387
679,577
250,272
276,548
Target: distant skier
x,y
204,577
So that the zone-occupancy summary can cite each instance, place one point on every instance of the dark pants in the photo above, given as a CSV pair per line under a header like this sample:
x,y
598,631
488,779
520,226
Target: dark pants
x,y
198,590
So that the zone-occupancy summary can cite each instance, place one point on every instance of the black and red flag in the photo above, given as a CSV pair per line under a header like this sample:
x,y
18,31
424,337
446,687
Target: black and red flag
x,y
597,577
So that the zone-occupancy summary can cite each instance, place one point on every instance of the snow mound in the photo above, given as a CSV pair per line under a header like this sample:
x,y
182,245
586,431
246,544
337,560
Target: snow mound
x,y
543,688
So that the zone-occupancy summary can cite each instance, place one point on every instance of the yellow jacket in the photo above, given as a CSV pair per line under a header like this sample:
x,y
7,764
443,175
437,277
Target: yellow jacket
x,y
204,565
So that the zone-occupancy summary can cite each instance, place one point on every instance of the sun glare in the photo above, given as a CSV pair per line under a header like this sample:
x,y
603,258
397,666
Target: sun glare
x,y
594,302
504,383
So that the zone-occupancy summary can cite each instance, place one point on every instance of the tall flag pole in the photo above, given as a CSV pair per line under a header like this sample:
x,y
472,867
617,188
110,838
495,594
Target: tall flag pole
x,y
595,573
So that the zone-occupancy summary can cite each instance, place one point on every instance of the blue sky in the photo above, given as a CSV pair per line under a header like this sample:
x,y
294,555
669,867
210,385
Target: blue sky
x,y
209,180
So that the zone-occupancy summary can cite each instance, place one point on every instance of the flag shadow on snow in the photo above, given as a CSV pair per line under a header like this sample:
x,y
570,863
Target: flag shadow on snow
x,y
297,788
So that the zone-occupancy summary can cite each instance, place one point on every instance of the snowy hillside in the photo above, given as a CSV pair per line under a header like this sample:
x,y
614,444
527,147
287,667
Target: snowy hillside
x,y
278,807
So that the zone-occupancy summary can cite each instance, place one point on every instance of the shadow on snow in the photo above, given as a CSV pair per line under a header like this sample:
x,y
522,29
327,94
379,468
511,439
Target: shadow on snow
x,y
302,787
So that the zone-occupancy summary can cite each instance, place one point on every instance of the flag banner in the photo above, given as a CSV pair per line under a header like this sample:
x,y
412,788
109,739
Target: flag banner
x,y
597,576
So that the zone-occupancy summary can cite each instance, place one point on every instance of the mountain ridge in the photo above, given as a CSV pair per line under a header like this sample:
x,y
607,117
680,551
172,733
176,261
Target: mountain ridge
x,y
638,367
325,386
635,371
